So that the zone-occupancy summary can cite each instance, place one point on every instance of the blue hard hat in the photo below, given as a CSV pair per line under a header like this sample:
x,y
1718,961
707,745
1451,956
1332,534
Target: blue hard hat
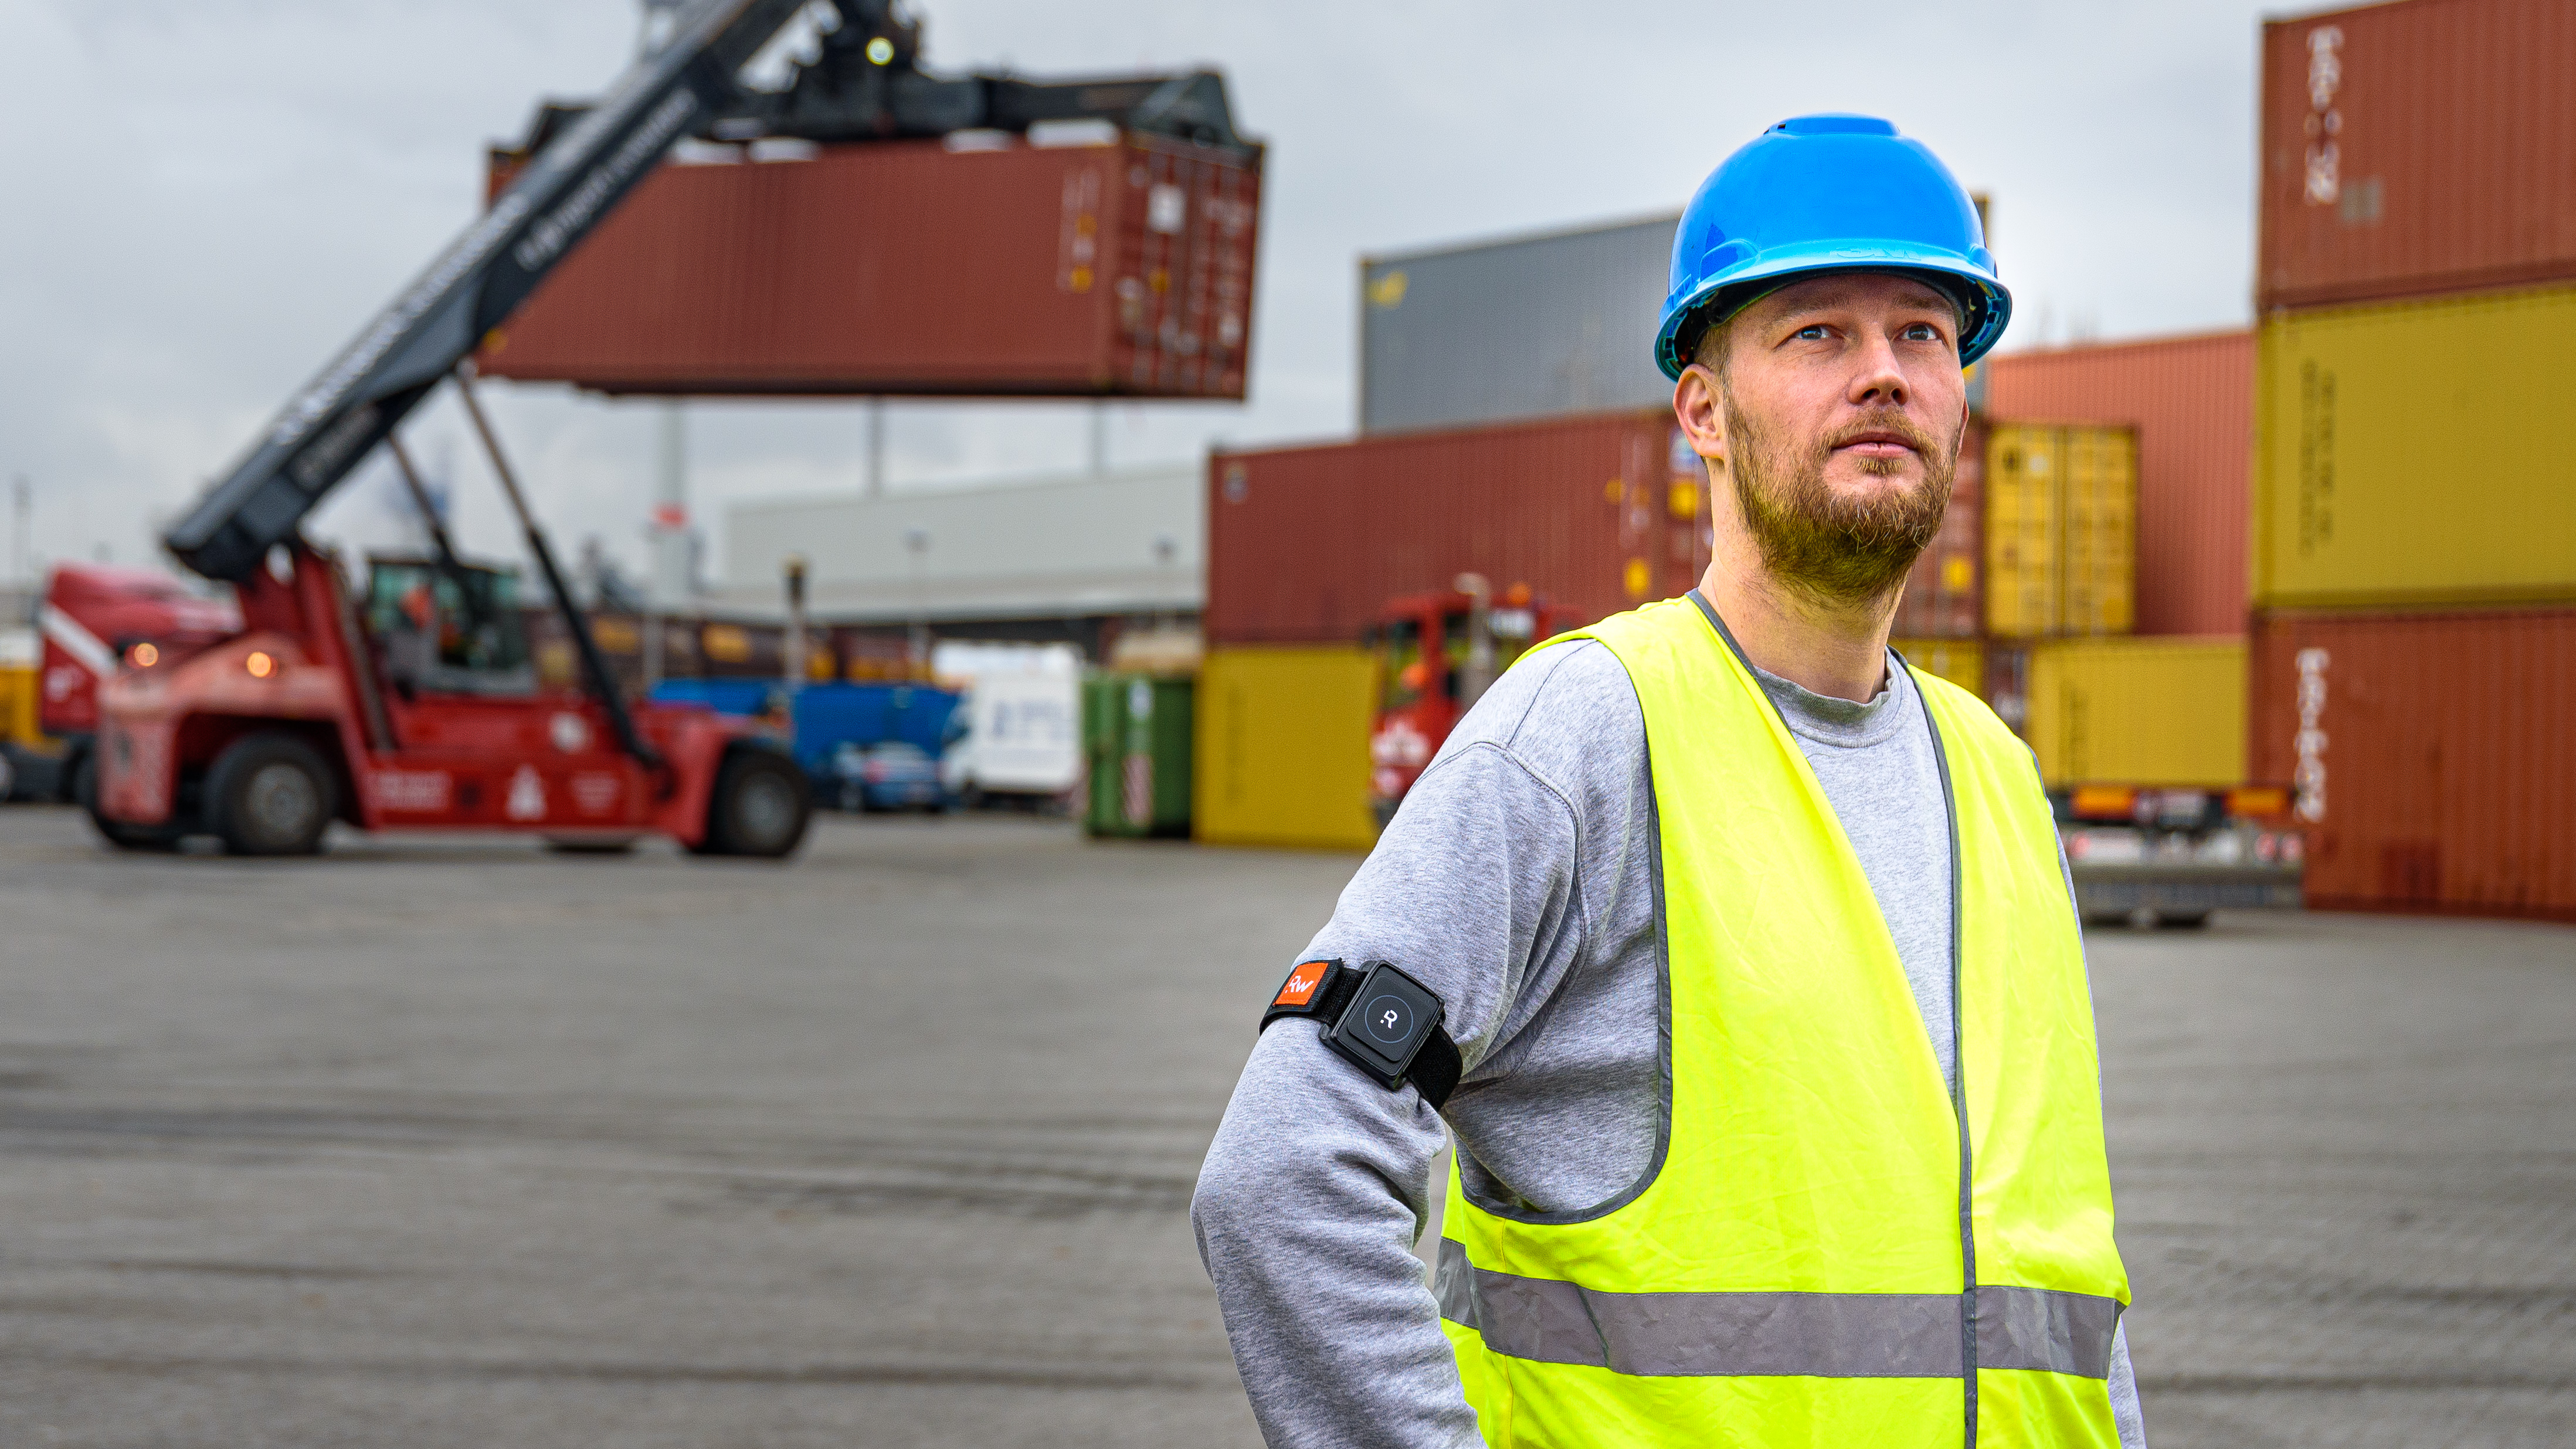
x,y
1827,193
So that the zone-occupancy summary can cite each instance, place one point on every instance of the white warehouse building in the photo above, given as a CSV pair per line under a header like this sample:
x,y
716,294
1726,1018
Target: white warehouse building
x,y
1010,555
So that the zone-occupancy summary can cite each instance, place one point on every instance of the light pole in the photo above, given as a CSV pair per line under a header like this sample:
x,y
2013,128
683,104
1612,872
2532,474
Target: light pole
x,y
916,541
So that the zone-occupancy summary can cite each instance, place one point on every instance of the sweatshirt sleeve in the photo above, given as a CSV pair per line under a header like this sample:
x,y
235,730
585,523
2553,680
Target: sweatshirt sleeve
x,y
1320,1181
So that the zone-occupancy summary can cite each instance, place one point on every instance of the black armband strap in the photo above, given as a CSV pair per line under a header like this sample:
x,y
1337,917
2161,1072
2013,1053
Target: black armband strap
x,y
1379,1019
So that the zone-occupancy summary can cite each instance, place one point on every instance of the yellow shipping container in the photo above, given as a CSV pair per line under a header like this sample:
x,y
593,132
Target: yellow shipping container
x,y
18,700
2415,453
1960,661
2160,711
2061,507
1282,749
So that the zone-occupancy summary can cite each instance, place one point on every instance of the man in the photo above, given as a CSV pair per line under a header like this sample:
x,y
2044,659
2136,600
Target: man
x,y
1730,924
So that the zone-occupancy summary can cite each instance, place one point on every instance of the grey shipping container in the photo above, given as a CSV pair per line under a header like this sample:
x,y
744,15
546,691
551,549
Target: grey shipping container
x,y
1530,327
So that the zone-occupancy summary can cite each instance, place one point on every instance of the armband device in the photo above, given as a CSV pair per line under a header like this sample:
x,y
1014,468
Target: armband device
x,y
1379,1019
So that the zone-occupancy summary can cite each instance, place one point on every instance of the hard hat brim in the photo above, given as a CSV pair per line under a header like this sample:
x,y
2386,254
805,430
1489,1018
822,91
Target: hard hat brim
x,y
1985,306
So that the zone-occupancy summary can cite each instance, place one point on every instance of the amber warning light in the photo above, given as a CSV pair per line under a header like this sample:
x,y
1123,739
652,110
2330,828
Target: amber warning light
x,y
143,656
260,665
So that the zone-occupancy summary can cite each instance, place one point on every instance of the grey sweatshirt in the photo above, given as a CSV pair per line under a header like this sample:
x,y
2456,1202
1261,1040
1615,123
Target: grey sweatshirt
x,y
1520,881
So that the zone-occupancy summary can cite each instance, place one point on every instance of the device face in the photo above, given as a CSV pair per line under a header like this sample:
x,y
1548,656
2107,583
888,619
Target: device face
x,y
1386,1023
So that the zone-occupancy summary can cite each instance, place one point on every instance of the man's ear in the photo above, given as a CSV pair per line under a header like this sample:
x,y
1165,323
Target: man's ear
x,y
1699,405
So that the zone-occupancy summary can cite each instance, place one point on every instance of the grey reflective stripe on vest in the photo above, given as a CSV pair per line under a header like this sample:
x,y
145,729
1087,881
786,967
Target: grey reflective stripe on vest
x,y
1819,1335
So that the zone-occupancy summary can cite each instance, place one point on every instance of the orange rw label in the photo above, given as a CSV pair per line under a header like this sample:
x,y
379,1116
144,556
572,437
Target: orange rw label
x,y
1302,983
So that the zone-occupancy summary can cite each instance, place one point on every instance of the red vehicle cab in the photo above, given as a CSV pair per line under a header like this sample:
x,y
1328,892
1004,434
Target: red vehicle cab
x,y
95,620
417,710
1437,653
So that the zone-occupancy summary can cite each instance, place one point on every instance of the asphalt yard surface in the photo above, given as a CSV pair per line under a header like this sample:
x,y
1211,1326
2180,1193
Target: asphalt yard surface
x,y
438,1143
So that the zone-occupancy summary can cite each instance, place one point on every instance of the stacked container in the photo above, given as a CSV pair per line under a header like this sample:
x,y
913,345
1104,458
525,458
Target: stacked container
x,y
2414,518
1581,517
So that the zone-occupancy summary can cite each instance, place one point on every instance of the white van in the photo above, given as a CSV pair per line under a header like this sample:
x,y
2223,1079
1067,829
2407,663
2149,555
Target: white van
x,y
1023,738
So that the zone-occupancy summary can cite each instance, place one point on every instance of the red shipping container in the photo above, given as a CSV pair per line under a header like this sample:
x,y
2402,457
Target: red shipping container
x,y
1306,545
2192,401
2429,756
907,267
2416,147
1945,595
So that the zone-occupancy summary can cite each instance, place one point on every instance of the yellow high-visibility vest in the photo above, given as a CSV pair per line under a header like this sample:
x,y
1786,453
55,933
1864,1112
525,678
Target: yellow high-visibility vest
x,y
1820,1257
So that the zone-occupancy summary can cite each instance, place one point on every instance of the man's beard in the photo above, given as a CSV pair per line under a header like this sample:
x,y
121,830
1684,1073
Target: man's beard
x,y
1838,550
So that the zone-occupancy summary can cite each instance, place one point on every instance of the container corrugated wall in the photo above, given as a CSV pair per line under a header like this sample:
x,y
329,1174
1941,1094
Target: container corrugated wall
x,y
1306,545
2061,529
1282,748
1526,328
1960,661
2167,711
904,267
2416,453
1944,593
2416,147
2191,400
2430,755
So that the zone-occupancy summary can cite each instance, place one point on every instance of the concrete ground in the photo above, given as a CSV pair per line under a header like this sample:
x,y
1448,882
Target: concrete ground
x,y
456,1143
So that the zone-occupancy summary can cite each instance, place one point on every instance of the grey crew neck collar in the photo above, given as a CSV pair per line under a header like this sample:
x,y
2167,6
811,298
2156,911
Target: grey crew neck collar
x,y
1846,724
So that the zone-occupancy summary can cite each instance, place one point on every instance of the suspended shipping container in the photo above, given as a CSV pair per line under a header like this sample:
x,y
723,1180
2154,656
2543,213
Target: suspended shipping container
x,y
2161,712
1526,328
1943,594
2416,147
1595,515
909,267
2430,755
1282,751
2061,510
2415,453
2191,401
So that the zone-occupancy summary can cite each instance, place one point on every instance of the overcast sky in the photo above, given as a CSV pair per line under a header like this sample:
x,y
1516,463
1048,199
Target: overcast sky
x,y
200,202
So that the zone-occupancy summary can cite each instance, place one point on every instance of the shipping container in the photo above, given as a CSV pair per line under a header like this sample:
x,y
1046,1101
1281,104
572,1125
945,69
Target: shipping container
x,y
1138,737
1529,327
2414,454
1944,597
2061,541
1595,515
909,267
2428,753
2416,147
1960,661
1282,755
2191,401
2166,712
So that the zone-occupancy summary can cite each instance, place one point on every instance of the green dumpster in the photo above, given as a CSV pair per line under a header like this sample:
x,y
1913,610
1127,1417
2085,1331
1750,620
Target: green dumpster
x,y
1136,736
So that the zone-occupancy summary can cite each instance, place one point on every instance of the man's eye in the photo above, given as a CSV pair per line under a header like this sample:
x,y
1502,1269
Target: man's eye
x,y
1814,332
1922,332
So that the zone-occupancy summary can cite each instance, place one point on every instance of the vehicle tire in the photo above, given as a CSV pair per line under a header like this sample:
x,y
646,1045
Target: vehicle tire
x,y
121,834
760,806
271,794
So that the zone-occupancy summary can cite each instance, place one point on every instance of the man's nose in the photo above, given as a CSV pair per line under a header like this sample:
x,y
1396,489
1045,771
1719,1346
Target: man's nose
x,y
1879,381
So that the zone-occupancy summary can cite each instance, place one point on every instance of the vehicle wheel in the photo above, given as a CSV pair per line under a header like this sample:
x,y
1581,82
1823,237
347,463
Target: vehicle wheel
x,y
271,794
760,807
119,833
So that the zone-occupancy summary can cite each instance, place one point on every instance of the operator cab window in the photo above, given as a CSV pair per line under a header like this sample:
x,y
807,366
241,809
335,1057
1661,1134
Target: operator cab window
x,y
449,630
